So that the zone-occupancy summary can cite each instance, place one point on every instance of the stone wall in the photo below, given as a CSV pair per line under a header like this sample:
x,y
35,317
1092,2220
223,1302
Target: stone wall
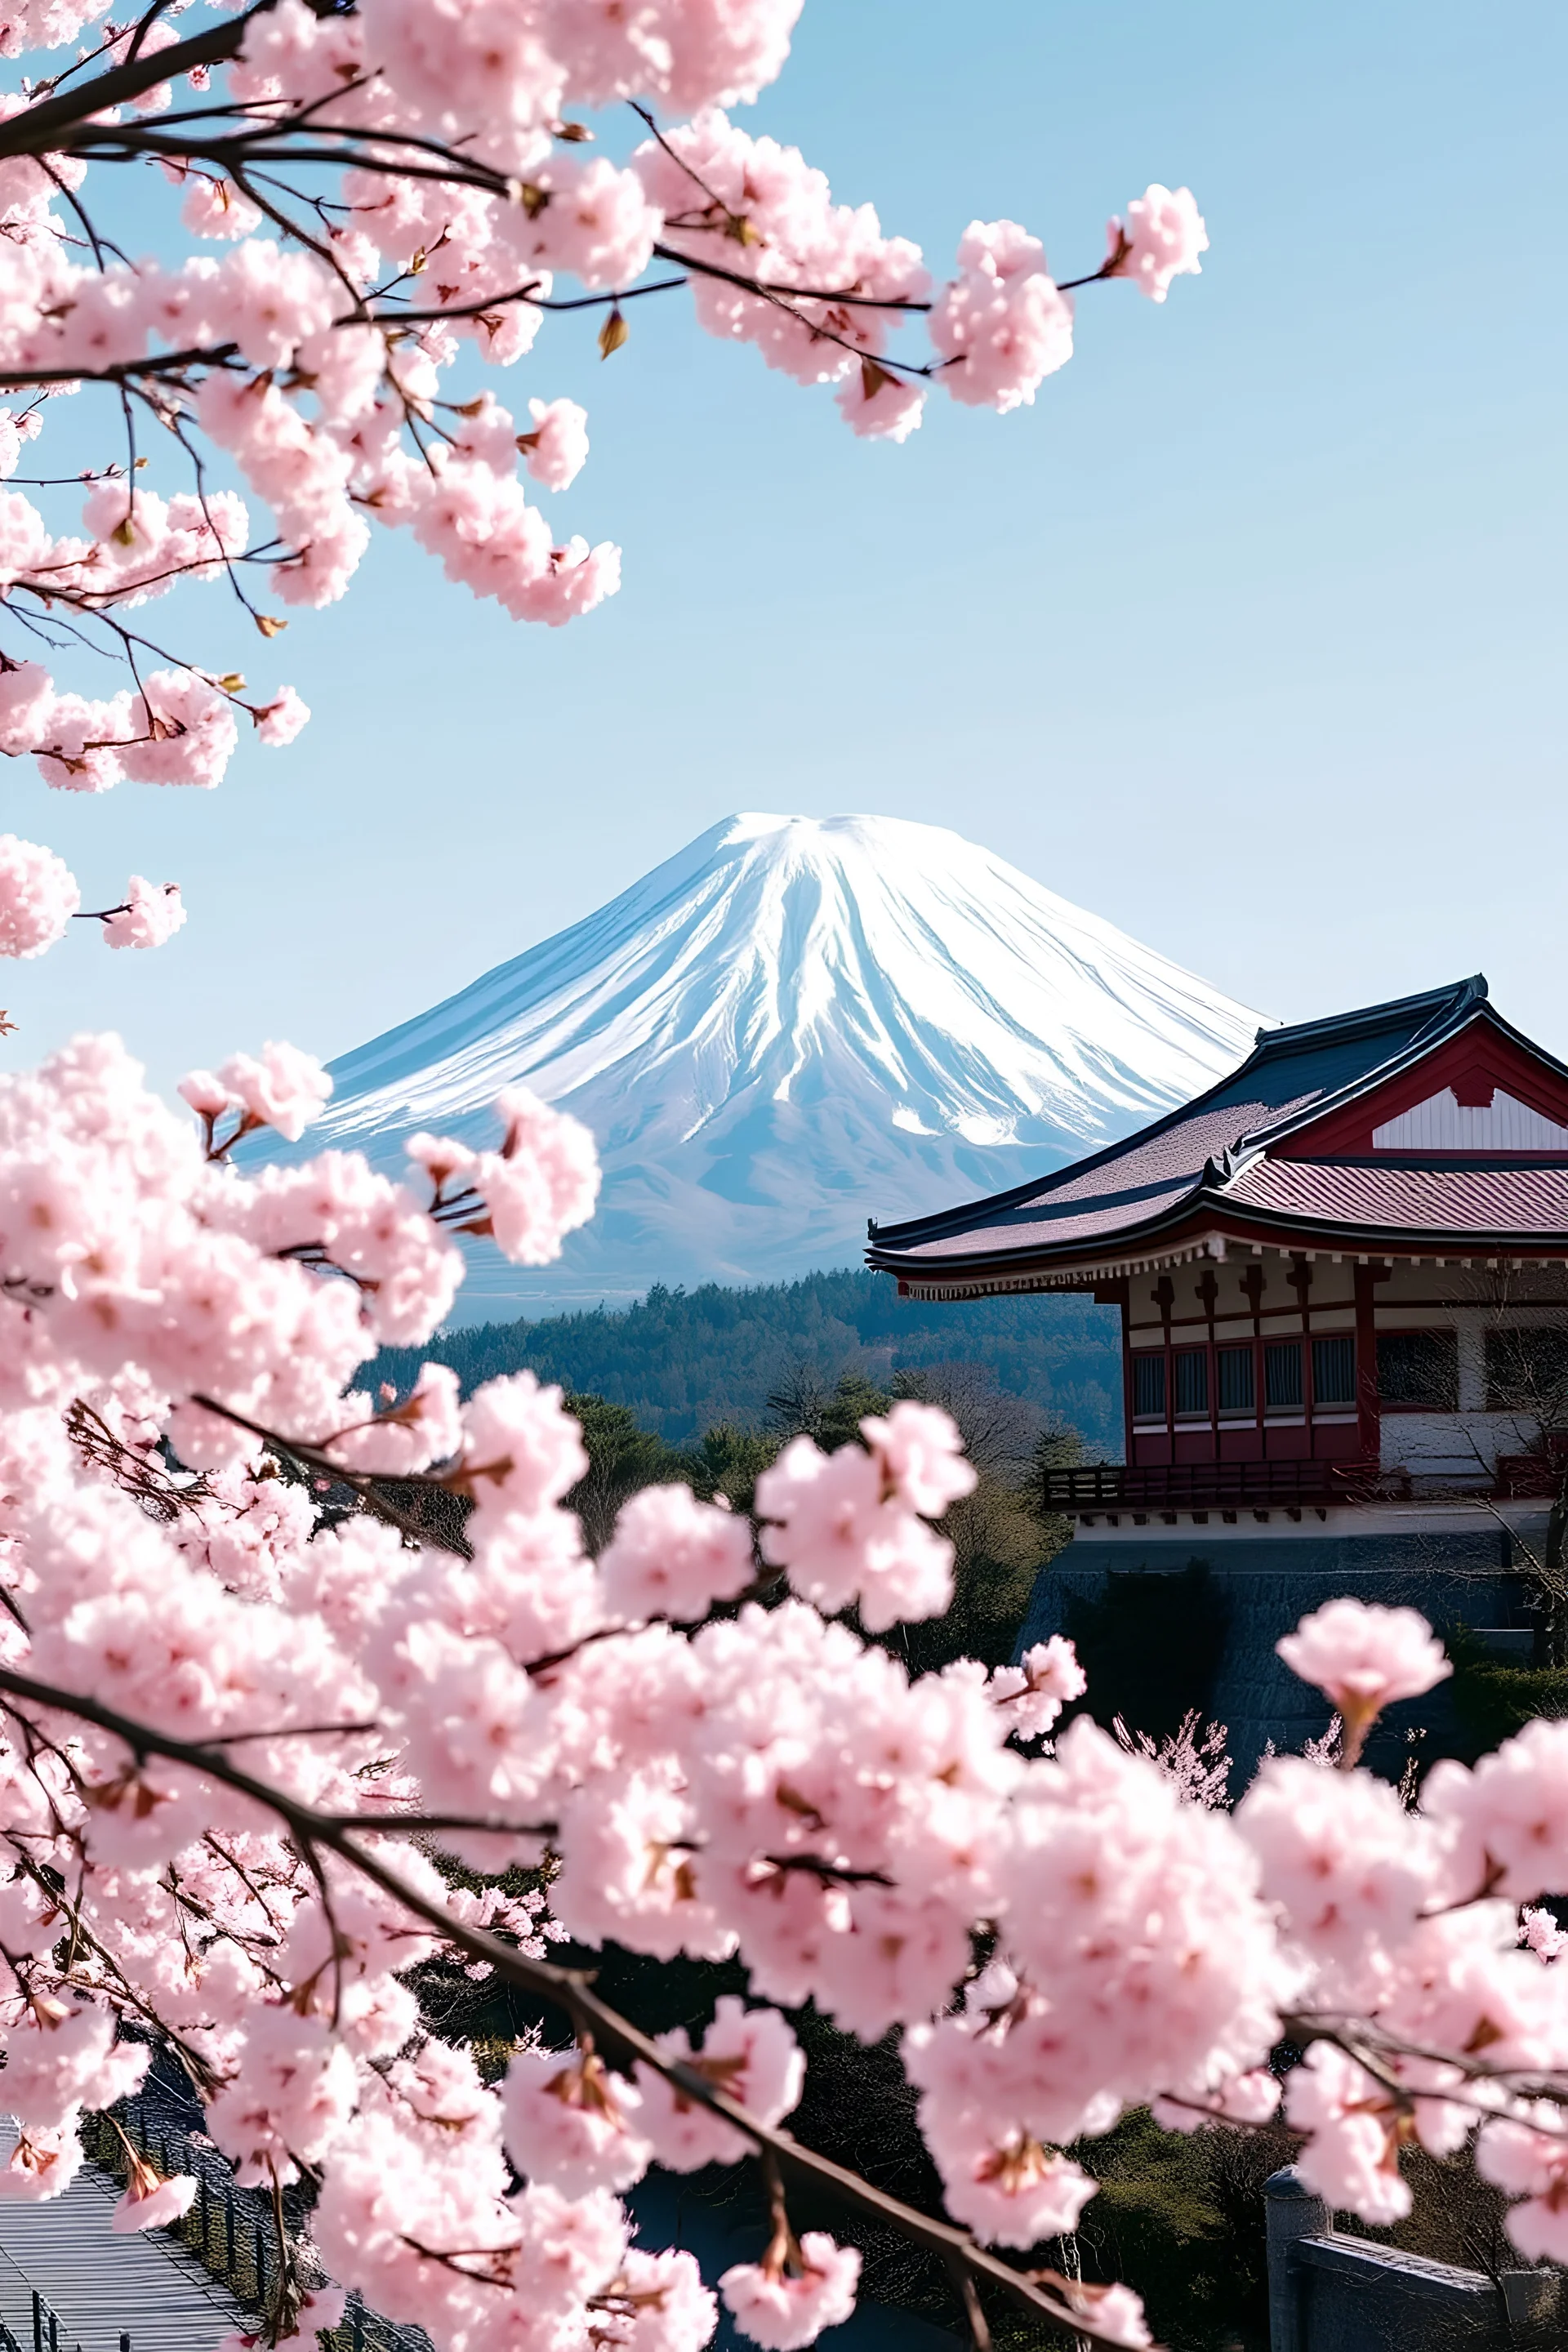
x,y
1267,1583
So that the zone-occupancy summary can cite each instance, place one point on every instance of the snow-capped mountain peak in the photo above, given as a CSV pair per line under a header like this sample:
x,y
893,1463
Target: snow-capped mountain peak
x,y
793,1023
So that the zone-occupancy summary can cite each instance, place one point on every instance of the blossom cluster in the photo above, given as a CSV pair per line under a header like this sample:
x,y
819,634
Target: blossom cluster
x,y
690,1735
381,200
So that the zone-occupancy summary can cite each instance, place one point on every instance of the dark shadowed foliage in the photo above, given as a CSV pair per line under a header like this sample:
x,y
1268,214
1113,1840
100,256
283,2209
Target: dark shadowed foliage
x,y
1151,1644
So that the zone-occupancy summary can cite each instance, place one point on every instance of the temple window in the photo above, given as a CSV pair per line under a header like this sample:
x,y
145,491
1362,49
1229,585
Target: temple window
x,y
1282,1375
1419,1370
1237,1385
1192,1381
1527,1372
1334,1369
1148,1387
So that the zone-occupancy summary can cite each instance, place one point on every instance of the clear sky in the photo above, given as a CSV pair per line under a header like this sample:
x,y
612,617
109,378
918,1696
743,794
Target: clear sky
x,y
1247,634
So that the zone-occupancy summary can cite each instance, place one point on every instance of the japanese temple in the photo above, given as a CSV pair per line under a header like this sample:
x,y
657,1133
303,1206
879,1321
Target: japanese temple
x,y
1341,1276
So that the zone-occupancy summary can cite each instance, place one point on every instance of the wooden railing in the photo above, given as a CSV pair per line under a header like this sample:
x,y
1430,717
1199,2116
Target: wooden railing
x,y
1258,1485
1185,1486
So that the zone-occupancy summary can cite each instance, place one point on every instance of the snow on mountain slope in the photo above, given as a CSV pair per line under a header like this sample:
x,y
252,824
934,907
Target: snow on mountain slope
x,y
794,1024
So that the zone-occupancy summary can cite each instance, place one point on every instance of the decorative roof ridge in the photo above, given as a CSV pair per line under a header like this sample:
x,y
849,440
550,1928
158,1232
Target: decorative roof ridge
x,y
1439,1160
1222,1169
1457,997
1470,1003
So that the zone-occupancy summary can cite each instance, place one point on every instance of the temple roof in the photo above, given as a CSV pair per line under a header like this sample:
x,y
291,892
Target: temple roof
x,y
1427,1119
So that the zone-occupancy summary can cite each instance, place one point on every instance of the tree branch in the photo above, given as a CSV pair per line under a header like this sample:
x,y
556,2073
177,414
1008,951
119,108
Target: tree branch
x,y
570,1990
40,128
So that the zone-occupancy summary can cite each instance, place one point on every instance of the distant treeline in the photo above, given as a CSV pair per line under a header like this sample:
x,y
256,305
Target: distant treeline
x,y
687,1361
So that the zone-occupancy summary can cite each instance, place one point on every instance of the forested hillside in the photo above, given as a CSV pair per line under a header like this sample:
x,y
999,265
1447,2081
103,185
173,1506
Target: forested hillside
x,y
686,1360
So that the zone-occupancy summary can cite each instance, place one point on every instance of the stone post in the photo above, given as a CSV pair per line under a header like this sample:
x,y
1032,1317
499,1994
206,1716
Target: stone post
x,y
1292,2210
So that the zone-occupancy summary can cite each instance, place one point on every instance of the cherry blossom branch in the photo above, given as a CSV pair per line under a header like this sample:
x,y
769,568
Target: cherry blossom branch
x,y
896,303
124,371
37,128
363,1483
477,309
1368,2042
570,1990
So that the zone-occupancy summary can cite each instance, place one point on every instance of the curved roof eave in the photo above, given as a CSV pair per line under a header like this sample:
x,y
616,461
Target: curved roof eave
x,y
1234,1222
1452,1007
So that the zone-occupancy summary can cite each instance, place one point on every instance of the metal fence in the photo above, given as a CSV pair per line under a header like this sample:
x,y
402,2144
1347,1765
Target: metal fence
x,y
230,2231
49,2331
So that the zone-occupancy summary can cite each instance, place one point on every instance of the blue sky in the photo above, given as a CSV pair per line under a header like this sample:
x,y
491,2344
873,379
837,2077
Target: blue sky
x,y
1247,634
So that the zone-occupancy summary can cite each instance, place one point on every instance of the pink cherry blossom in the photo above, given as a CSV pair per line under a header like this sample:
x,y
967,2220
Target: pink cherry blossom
x,y
1363,1657
1541,1932
571,2123
285,1089
921,1456
1009,2190
1115,2311
782,230
843,1539
1509,1818
557,447
522,1451
1352,2156
542,1183
66,2058
1527,2159
1353,1871
1161,239
302,362
880,406
152,914
783,2306
205,1092
152,2203
43,2163
666,2308
764,1786
38,896
1001,326
215,209
751,2056
671,1556
1033,1693
282,719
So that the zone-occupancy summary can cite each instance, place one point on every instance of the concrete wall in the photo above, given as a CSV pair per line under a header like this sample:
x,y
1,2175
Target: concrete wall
x,y
1333,2293
1269,1580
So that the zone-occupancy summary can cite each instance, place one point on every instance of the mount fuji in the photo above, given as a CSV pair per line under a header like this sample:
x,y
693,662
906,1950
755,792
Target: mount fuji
x,y
793,1023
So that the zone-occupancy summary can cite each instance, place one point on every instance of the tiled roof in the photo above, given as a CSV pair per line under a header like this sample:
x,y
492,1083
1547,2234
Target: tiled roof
x,y
1214,1153
1478,1199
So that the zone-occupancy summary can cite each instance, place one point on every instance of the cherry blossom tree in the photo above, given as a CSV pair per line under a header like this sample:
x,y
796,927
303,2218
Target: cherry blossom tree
x,y
379,201
244,1734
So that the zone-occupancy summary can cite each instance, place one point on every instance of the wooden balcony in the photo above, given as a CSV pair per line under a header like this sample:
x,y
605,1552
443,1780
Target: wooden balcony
x,y
1109,1489
1113,1487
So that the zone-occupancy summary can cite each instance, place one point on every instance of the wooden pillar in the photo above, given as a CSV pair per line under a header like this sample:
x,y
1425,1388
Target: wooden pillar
x,y
1164,1298
1302,1284
1252,1283
1129,1443
1369,1417
1208,1296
